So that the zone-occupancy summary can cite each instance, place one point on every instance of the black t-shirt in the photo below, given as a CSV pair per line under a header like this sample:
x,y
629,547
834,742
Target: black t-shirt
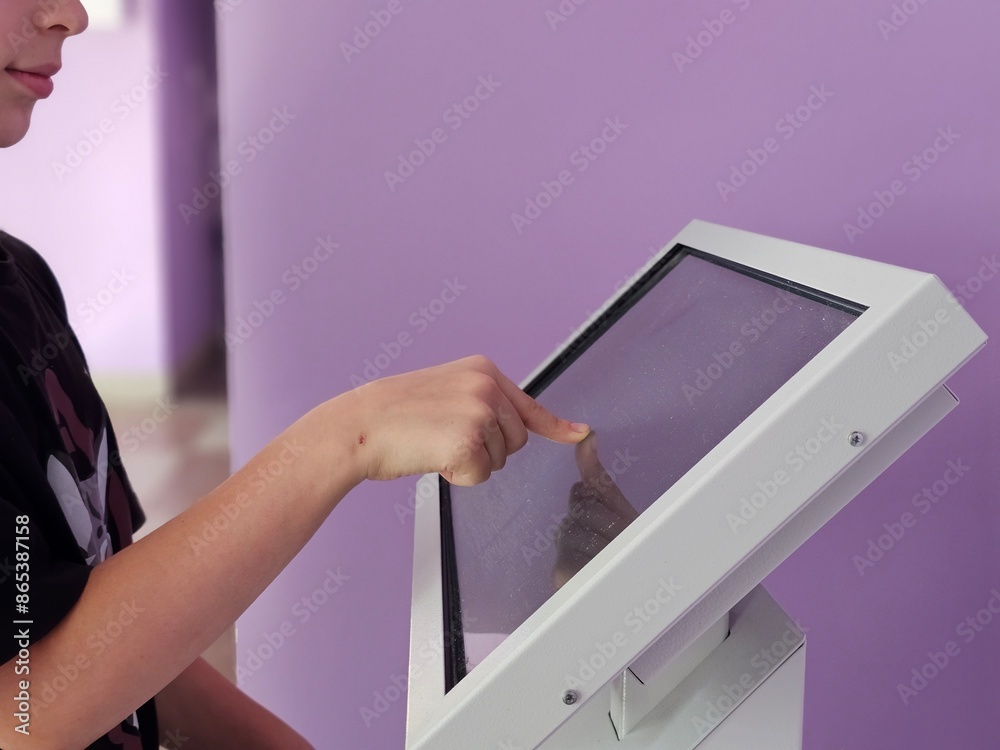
x,y
65,501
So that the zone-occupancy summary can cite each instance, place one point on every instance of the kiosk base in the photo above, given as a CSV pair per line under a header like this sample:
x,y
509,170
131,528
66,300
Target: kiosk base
x,y
747,693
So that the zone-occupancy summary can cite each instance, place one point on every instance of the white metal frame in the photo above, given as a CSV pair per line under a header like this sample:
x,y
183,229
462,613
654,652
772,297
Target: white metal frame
x,y
888,362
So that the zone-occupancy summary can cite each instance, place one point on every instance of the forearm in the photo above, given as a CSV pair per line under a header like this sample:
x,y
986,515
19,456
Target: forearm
x,y
175,591
202,710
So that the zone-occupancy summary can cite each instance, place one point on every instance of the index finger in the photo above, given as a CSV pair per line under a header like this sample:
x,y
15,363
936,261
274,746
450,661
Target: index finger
x,y
536,417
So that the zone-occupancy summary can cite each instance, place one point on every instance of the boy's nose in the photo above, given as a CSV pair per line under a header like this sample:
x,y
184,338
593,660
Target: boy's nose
x,y
69,15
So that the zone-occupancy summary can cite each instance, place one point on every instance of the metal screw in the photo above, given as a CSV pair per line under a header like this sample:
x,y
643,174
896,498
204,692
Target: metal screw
x,y
856,439
570,697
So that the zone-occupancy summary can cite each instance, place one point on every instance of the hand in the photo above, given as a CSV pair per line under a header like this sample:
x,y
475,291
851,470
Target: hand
x,y
461,419
598,512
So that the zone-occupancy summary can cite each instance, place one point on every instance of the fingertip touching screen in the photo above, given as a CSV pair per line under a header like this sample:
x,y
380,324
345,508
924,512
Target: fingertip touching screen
x,y
674,365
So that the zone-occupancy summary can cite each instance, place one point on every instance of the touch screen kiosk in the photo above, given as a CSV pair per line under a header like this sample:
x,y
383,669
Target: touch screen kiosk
x,y
741,389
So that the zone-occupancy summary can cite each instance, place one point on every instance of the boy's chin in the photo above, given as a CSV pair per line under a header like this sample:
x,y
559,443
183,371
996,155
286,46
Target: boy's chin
x,y
13,128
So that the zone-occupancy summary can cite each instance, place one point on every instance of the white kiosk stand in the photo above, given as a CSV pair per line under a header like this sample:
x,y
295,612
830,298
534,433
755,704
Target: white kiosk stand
x,y
742,390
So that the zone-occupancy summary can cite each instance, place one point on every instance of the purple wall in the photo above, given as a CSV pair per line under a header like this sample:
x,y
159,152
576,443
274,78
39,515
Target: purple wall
x,y
879,94
189,145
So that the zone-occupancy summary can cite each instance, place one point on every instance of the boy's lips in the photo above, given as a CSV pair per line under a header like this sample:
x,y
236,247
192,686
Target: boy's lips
x,y
38,79
45,69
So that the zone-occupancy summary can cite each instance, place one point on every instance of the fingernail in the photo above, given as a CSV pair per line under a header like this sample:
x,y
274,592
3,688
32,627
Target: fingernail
x,y
580,427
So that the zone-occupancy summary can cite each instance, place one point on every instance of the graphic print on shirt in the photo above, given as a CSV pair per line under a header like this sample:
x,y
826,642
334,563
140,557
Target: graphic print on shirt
x,y
79,477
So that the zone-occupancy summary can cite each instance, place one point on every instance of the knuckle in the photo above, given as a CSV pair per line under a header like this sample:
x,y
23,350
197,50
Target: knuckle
x,y
518,441
479,473
482,386
491,424
484,416
459,455
478,436
505,413
480,362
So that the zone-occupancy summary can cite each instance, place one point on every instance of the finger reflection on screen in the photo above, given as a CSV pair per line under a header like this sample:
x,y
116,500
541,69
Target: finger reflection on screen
x,y
597,513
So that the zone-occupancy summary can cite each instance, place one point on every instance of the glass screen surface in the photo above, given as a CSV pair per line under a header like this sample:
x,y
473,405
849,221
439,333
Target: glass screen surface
x,y
662,378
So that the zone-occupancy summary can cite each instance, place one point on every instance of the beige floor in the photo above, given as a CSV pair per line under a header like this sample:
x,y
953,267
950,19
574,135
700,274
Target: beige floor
x,y
177,460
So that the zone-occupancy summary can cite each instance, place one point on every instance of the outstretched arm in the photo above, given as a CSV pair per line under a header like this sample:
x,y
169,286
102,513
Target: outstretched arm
x,y
186,582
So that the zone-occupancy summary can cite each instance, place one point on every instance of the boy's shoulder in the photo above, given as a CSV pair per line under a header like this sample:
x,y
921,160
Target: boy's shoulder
x,y
32,265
